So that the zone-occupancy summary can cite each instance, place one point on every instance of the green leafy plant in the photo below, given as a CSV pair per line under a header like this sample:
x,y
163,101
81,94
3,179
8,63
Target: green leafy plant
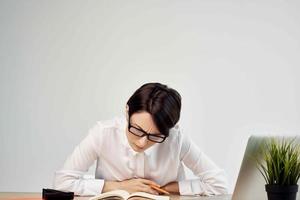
x,y
281,162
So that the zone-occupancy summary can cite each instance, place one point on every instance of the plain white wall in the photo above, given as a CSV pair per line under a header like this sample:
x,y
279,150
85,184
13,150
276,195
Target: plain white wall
x,y
67,64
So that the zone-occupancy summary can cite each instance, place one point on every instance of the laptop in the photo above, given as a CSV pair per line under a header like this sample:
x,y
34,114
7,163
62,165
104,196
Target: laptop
x,y
250,184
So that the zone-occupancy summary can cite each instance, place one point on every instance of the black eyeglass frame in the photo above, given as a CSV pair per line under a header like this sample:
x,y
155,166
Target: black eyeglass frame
x,y
147,134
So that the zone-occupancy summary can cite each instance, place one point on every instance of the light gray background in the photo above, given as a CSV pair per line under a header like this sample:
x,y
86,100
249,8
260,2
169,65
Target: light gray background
x,y
67,64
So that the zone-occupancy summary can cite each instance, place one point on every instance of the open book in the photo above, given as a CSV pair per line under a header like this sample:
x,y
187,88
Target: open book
x,y
124,195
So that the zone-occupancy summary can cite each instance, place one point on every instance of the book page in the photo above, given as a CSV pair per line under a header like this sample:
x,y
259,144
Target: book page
x,y
115,194
148,196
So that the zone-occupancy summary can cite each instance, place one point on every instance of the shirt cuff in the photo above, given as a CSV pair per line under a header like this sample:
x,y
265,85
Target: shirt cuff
x,y
93,187
185,187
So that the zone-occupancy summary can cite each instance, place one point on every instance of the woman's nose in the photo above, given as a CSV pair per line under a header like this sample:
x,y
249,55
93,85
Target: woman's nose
x,y
143,141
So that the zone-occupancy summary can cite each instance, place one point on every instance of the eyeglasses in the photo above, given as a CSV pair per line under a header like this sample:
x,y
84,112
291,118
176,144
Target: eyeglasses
x,y
141,133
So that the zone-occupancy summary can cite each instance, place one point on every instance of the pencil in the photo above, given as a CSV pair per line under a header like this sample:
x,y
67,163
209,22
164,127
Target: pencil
x,y
159,189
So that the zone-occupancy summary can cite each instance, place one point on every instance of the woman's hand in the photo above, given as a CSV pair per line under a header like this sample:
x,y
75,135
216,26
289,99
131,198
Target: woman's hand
x,y
131,185
171,187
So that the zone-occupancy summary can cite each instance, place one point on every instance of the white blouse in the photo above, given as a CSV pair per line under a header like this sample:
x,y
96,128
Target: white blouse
x,y
116,161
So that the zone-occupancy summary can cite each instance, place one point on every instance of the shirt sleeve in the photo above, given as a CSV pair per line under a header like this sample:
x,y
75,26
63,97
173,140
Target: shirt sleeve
x,y
71,176
211,179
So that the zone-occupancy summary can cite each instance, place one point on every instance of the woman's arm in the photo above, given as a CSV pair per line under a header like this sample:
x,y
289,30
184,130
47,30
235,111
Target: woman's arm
x,y
212,180
71,176
131,185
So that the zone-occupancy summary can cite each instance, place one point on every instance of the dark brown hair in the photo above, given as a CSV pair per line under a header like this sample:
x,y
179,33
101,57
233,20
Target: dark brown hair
x,y
162,102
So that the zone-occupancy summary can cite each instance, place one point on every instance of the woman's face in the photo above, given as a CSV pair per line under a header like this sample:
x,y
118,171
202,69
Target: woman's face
x,y
142,120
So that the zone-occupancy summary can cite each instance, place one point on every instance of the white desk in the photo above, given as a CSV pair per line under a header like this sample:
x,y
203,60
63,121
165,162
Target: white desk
x,y
38,196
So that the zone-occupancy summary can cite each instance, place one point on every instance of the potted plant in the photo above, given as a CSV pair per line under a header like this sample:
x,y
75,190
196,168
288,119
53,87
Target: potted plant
x,y
280,167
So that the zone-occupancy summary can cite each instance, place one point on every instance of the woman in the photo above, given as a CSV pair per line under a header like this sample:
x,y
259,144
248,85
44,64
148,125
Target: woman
x,y
144,148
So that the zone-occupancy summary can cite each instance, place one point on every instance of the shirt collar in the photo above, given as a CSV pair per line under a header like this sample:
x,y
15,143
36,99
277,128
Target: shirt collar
x,y
150,150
